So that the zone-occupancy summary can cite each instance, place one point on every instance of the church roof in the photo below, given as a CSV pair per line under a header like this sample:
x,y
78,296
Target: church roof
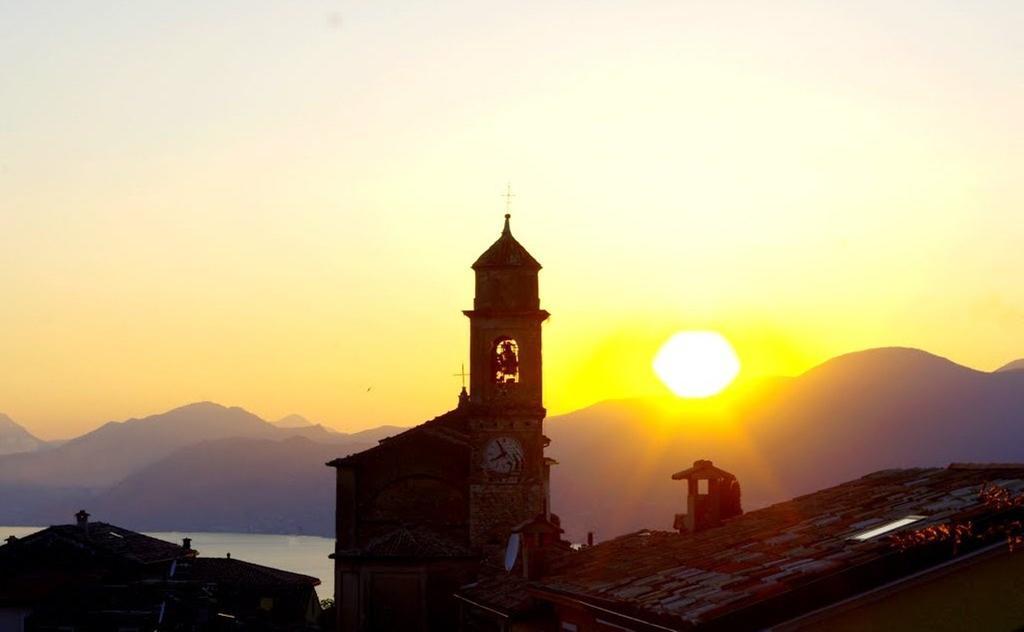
x,y
506,253
451,426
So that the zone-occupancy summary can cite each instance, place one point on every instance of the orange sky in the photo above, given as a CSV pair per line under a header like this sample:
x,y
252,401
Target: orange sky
x,y
275,206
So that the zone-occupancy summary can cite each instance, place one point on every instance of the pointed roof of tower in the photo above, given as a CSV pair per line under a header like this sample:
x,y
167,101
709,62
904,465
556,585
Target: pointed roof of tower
x,y
506,253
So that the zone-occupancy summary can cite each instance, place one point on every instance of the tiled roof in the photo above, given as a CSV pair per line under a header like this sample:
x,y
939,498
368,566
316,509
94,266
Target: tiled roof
x,y
106,539
694,578
505,592
508,591
451,426
506,253
238,572
414,541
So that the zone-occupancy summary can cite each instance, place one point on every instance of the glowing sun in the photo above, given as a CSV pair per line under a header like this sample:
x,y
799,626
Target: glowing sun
x,y
696,363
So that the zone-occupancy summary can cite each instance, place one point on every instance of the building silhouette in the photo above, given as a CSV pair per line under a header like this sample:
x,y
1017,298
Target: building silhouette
x,y
98,576
433,508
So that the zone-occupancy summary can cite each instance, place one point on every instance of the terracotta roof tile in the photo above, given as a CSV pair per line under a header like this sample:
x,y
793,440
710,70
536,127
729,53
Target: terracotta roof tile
x,y
696,577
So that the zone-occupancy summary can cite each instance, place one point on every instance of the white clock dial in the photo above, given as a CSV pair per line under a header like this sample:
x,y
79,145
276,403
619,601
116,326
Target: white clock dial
x,y
503,455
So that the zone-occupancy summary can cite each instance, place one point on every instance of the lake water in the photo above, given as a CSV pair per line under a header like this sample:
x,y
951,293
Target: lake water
x,y
297,553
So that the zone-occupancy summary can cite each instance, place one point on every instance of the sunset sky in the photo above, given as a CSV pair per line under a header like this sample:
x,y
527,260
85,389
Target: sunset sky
x,y
275,205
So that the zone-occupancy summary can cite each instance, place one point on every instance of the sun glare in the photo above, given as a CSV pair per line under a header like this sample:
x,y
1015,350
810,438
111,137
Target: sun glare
x,y
696,363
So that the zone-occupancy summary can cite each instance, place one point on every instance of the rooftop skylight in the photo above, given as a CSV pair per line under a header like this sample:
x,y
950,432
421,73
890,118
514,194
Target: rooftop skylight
x,y
885,528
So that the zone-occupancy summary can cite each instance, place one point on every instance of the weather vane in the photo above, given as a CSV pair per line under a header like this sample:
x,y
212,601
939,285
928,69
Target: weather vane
x,y
508,195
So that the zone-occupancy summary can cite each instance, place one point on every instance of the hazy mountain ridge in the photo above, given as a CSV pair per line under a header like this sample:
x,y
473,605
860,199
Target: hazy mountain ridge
x,y
105,456
14,438
275,487
1016,365
175,470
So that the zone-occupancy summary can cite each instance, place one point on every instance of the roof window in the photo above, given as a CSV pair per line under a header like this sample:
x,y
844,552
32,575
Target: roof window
x,y
885,528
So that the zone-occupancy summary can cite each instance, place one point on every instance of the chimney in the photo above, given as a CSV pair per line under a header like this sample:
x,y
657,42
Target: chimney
x,y
82,520
590,538
537,537
712,495
186,543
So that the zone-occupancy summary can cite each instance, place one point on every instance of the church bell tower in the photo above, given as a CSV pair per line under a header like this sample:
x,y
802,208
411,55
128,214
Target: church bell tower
x,y
505,324
509,473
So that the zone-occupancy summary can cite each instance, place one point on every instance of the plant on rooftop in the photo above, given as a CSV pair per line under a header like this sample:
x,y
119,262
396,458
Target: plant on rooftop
x,y
995,498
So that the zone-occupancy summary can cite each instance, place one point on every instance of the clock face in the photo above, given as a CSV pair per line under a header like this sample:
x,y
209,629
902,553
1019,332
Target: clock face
x,y
504,455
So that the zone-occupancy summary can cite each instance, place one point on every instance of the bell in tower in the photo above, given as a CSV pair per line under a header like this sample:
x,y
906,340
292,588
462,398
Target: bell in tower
x,y
505,327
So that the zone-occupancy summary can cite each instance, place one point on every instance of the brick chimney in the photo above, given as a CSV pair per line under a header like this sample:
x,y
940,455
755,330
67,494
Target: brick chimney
x,y
537,538
186,543
82,520
712,495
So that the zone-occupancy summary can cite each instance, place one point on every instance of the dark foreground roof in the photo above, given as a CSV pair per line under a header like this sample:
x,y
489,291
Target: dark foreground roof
x,y
104,539
225,570
696,578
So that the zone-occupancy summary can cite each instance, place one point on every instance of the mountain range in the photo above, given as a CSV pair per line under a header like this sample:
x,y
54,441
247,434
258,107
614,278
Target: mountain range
x,y
854,414
14,438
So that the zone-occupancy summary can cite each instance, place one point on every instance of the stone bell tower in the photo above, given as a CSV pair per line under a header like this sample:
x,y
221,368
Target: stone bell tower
x,y
504,339
508,477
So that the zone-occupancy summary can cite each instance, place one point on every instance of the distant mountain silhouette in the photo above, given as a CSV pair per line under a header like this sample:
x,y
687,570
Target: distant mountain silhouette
x,y
222,456
1016,365
372,435
14,438
293,421
854,414
107,455
243,485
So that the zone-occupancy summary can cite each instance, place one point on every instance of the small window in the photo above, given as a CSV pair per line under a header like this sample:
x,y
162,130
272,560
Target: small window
x,y
702,487
885,528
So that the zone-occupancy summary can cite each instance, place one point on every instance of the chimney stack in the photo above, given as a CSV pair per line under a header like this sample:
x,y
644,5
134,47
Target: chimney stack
x,y
82,520
712,495
537,538
186,543
590,538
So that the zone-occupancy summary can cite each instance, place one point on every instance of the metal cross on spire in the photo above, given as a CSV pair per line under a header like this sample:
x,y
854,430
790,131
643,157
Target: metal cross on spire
x,y
508,195
462,374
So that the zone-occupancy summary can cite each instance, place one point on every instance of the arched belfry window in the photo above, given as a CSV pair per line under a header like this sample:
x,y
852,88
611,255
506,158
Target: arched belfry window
x,y
505,361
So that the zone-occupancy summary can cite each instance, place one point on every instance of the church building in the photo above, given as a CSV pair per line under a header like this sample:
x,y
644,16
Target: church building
x,y
430,509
